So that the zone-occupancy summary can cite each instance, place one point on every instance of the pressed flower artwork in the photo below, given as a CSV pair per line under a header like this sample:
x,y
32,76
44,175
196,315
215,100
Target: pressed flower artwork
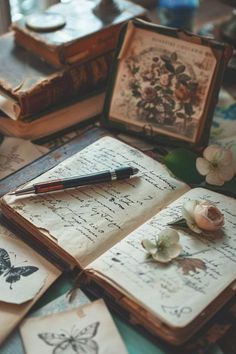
x,y
162,85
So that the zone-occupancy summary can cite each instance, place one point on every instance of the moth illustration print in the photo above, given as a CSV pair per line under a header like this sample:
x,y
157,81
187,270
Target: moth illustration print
x,y
81,342
13,273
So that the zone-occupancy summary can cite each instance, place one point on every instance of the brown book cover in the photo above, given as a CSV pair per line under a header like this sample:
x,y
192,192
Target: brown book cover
x,y
30,86
103,237
84,36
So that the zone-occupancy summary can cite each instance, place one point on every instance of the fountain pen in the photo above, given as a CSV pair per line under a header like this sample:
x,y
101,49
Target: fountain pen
x,y
78,181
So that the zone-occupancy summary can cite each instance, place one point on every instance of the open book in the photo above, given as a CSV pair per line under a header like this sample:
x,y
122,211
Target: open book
x,y
99,229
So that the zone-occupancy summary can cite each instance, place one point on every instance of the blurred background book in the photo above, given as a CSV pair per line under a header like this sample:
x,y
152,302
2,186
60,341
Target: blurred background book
x,y
75,31
38,98
30,86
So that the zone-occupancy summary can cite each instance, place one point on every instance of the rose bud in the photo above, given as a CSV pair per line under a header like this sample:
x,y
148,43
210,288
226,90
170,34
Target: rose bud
x,y
165,80
202,216
208,217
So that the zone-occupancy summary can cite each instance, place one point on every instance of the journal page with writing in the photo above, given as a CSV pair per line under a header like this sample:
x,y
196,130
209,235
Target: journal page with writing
x,y
87,221
179,291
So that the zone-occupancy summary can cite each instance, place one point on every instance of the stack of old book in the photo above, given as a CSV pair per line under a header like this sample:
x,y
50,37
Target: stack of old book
x,y
54,65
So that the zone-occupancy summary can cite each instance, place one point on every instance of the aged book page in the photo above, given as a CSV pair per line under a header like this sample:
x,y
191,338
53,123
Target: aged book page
x,y
88,221
177,292
18,282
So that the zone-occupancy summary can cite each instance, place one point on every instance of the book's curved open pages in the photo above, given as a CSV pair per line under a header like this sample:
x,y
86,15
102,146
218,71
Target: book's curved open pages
x,y
87,221
178,292
99,228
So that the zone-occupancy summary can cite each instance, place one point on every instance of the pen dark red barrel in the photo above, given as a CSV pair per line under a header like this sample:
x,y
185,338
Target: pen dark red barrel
x,y
79,181
48,186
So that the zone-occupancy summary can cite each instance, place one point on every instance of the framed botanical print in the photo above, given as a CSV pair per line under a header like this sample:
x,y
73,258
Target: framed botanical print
x,y
165,83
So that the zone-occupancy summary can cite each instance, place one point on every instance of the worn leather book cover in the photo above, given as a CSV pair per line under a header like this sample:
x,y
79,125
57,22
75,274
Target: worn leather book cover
x,y
85,34
30,86
103,237
164,84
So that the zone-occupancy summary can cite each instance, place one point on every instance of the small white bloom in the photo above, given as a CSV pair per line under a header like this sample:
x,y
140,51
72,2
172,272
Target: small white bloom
x,y
216,164
165,248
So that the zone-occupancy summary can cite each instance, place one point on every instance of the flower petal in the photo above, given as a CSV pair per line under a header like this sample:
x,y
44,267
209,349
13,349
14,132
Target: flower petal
x,y
214,179
226,172
174,250
149,246
162,256
213,153
192,225
203,166
188,209
227,157
168,237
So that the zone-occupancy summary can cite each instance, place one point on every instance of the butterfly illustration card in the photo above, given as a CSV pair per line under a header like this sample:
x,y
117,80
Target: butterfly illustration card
x,y
85,330
22,273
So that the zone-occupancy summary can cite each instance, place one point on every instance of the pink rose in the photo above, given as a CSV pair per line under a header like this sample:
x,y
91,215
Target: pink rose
x,y
182,93
149,94
202,216
165,80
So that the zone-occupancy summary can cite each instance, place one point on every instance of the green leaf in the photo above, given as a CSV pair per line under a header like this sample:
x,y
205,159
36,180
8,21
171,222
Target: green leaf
x,y
165,58
181,115
183,77
188,109
182,163
173,56
170,67
180,69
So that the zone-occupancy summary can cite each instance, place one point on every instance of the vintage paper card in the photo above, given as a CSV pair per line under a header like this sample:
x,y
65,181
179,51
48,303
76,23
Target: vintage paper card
x,y
12,313
164,83
22,275
88,329
15,153
14,344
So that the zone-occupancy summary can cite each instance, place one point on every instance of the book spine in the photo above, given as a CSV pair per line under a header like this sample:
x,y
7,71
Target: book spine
x,y
75,80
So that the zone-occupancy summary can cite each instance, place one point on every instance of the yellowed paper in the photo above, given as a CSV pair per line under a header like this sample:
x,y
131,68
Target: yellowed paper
x,y
179,291
87,221
162,84
22,275
15,153
11,314
88,329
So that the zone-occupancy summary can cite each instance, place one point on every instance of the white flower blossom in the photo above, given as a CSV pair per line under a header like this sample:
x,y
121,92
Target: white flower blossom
x,y
216,164
165,248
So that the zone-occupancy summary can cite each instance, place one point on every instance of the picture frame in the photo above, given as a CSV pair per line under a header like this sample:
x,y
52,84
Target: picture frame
x,y
164,84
